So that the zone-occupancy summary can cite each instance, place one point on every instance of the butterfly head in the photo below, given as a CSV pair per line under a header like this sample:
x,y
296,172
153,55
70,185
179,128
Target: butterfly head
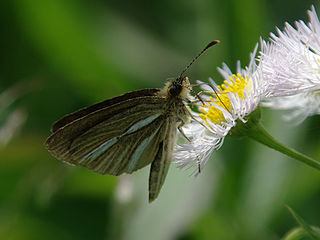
x,y
180,87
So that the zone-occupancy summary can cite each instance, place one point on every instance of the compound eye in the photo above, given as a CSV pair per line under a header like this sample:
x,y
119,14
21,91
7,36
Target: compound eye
x,y
175,89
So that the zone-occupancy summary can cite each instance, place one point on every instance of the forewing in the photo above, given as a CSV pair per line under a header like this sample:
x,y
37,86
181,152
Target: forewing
x,y
98,106
160,165
110,135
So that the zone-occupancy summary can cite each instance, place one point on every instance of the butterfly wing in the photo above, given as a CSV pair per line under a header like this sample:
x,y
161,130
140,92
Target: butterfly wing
x,y
160,164
120,138
109,102
126,153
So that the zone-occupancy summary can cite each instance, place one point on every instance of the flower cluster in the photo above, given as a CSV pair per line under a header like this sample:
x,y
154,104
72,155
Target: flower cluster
x,y
291,65
285,75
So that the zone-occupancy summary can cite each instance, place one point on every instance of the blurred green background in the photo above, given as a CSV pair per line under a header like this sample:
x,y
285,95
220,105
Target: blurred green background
x,y
60,55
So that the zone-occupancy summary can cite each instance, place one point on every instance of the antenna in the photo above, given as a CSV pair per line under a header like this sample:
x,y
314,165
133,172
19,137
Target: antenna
x,y
205,49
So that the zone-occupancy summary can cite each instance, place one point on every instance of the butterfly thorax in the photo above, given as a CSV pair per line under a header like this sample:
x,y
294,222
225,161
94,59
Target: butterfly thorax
x,y
177,93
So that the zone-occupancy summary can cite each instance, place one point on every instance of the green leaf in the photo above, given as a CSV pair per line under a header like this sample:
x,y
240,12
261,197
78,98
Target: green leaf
x,y
295,234
308,229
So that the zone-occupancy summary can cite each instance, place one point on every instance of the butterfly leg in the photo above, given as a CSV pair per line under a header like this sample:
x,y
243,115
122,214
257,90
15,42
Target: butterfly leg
x,y
190,114
197,84
199,166
182,132
214,94
198,97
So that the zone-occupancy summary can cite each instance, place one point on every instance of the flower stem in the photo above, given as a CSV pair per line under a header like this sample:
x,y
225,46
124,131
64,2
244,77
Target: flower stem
x,y
253,129
259,133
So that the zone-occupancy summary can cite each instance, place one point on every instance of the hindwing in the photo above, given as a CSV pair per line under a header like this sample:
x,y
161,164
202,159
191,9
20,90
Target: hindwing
x,y
161,162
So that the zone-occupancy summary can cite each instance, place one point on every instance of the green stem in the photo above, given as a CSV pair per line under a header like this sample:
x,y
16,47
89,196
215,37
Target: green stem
x,y
259,134
253,129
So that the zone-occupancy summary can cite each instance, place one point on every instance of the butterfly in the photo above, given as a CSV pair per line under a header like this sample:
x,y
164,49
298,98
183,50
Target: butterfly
x,y
127,132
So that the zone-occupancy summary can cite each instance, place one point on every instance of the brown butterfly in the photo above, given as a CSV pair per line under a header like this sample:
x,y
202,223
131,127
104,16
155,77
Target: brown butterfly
x,y
126,133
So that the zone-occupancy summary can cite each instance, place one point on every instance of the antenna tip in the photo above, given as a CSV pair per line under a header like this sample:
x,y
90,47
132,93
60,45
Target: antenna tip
x,y
213,43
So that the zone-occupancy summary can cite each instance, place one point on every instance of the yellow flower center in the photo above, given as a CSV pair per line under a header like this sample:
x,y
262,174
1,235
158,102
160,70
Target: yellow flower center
x,y
236,85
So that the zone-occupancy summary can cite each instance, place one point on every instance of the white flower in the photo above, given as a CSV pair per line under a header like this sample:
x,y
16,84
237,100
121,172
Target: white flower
x,y
298,107
223,106
290,64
